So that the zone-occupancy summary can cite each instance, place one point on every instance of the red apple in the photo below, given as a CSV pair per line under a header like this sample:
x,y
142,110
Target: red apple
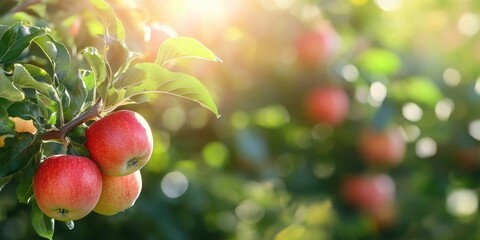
x,y
120,143
374,195
317,46
368,191
382,148
327,105
67,187
118,193
155,34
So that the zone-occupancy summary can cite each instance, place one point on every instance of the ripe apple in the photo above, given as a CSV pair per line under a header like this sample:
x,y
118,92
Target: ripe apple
x,y
382,148
120,143
21,125
118,193
67,187
327,105
315,47
374,195
155,34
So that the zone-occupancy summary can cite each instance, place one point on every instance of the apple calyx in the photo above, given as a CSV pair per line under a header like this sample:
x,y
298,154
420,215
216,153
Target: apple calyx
x,y
132,163
63,212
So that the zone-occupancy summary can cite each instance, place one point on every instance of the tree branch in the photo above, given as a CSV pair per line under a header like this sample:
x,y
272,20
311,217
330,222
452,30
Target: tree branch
x,y
61,134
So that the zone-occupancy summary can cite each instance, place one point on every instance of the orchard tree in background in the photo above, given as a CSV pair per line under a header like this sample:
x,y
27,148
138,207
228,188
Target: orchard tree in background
x,y
58,111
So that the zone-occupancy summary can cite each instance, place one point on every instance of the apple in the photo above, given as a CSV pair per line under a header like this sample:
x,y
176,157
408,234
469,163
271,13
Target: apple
x,y
118,193
374,195
66,187
120,143
368,191
382,148
315,47
329,104
468,158
154,35
21,125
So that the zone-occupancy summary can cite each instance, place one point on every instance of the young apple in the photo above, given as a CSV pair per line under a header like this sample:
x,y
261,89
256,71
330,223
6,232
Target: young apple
x,y
67,187
118,193
382,148
327,105
120,143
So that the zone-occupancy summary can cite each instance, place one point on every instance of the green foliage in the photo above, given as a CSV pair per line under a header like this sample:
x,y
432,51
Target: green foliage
x,y
43,225
42,81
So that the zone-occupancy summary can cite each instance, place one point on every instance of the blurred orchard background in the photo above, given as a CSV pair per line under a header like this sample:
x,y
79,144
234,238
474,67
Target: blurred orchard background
x,y
352,119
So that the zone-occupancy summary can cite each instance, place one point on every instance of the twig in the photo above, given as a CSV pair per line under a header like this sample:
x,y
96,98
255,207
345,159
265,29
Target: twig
x,y
60,134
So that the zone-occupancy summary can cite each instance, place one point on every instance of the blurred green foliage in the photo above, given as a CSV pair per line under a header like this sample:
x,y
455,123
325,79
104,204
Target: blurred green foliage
x,y
263,170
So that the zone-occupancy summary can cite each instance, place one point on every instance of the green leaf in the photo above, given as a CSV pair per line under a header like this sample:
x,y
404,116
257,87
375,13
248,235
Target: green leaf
x,y
183,47
4,181
117,54
156,79
113,25
77,149
24,190
48,108
379,61
16,39
22,78
78,96
57,54
8,90
3,29
25,110
6,125
97,64
417,89
18,152
43,225
39,74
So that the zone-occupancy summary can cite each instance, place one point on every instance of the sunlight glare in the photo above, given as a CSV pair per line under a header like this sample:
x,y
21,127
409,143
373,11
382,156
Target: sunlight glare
x,y
468,24
209,8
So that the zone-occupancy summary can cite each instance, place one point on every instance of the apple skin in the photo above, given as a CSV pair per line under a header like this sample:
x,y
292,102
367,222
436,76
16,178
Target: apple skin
x,y
120,143
327,105
67,187
316,46
382,148
374,195
118,193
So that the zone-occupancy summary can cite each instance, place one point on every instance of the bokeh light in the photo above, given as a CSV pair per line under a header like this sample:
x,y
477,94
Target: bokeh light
x,y
462,202
174,184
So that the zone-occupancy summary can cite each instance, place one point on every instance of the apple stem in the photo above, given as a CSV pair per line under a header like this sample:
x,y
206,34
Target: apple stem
x,y
61,133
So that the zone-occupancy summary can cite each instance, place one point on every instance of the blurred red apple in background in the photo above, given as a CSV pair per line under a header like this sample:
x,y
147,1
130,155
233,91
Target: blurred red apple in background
x,y
382,148
329,104
374,195
315,47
